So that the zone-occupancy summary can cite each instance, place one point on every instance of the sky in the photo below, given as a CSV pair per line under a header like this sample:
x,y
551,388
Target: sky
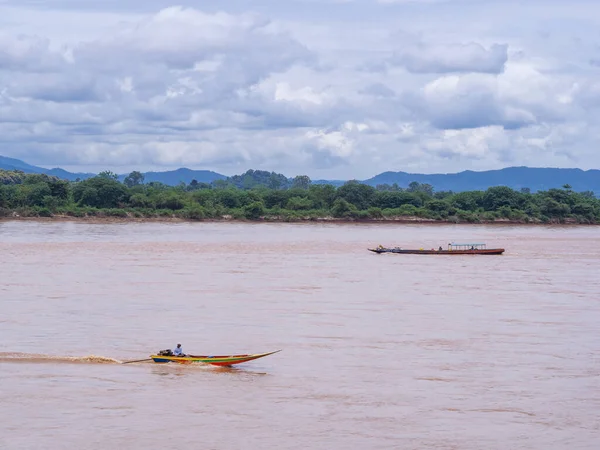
x,y
333,89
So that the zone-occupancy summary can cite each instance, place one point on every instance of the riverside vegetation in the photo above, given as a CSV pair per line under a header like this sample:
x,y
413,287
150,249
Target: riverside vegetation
x,y
261,195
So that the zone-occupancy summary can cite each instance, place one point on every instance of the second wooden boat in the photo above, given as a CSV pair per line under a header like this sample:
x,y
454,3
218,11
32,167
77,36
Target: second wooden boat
x,y
453,249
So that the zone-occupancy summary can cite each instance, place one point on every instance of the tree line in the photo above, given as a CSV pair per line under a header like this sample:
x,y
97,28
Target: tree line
x,y
261,195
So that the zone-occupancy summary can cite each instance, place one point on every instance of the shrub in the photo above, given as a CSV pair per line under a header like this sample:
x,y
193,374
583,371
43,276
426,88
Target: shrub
x,y
42,212
375,213
254,210
114,212
194,213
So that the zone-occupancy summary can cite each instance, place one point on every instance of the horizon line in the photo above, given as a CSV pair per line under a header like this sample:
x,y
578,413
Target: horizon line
x,y
176,168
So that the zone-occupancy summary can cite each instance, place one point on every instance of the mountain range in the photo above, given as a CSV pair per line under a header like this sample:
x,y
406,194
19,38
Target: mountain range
x,y
171,177
536,179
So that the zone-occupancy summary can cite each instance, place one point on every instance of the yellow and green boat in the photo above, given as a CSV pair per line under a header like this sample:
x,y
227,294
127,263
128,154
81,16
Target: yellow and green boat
x,y
209,359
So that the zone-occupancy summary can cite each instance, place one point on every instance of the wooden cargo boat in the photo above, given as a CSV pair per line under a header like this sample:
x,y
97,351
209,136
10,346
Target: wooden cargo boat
x,y
207,359
453,249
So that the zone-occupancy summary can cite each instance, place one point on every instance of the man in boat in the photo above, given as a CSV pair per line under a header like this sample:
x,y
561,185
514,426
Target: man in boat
x,y
178,351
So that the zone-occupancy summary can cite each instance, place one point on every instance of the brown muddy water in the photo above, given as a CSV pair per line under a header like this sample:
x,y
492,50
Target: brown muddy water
x,y
379,351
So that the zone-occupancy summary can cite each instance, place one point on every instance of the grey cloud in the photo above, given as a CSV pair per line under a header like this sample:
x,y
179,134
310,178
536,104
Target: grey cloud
x,y
179,38
323,159
378,90
448,58
60,88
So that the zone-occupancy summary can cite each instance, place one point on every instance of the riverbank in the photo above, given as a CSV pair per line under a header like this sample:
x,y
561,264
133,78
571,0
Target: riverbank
x,y
99,219
104,199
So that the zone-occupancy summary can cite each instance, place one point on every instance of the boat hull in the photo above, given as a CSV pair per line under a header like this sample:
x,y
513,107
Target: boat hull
x,y
222,361
489,251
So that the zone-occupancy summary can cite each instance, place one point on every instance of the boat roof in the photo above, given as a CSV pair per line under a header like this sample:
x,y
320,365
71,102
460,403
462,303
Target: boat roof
x,y
454,243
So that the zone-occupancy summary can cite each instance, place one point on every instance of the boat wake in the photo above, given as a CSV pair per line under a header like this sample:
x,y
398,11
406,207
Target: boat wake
x,y
41,358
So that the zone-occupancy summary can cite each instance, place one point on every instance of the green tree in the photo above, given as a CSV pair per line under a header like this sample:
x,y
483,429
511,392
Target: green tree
x,y
360,195
109,175
195,186
552,208
467,201
135,178
322,195
301,182
204,197
343,208
36,178
221,184
195,212
35,193
588,194
439,206
375,213
299,203
100,192
254,210
393,200
60,189
441,195
141,201
170,200
424,188
11,177
560,196
3,196
583,209
498,196
51,203
229,198
277,181
275,198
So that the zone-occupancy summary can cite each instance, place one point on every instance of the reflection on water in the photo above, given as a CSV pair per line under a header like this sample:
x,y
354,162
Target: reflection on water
x,y
176,370
380,351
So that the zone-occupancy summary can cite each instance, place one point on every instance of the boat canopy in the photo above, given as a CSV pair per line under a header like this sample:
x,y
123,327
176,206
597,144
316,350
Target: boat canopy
x,y
466,245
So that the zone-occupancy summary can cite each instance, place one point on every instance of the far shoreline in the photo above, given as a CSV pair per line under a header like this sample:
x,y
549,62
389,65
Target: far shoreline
x,y
404,220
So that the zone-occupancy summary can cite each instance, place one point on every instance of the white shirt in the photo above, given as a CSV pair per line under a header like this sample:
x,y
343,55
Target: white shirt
x,y
178,351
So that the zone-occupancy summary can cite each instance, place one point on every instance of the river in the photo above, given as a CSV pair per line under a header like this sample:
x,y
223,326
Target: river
x,y
378,351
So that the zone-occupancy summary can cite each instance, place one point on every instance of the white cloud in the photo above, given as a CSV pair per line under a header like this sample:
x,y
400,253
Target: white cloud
x,y
346,89
29,53
283,92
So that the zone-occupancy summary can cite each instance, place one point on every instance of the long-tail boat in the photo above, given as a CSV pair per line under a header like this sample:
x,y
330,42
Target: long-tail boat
x,y
453,249
164,357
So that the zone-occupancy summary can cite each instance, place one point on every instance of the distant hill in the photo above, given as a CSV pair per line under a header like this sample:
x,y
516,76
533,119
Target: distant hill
x,y
174,177
536,179
336,183
17,164
61,173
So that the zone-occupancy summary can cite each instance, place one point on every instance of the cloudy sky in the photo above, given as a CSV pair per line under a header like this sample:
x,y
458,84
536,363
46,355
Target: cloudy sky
x,y
328,88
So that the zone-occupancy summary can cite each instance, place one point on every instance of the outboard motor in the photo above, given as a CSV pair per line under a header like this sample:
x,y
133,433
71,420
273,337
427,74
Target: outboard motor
x,y
167,352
